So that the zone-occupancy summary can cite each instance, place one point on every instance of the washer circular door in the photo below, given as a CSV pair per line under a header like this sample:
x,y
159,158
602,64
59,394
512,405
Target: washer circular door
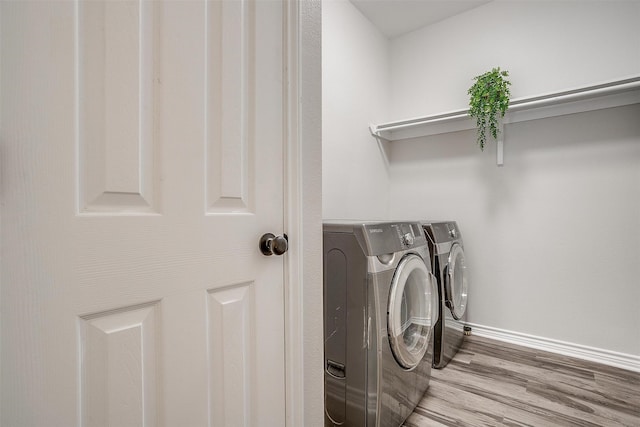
x,y
412,310
456,283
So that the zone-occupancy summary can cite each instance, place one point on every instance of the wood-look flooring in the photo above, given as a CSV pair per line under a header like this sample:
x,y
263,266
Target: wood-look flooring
x,y
491,383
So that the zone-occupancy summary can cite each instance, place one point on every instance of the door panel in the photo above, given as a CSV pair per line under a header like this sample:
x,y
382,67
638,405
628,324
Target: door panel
x,y
142,160
231,340
119,368
117,48
230,100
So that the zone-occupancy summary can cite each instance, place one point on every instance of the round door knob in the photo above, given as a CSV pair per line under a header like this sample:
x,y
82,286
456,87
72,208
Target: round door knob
x,y
271,244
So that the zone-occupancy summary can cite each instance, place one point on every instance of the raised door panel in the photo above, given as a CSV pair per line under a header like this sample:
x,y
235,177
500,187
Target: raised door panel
x,y
117,46
231,321
119,371
230,105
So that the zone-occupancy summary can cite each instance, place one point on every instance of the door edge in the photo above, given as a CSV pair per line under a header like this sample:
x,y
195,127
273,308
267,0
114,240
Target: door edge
x,y
303,214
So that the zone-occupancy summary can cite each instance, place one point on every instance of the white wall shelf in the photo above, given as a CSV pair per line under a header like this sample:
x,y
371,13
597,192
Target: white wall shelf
x,y
596,97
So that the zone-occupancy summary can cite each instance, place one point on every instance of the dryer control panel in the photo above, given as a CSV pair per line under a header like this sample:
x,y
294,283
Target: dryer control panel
x,y
444,231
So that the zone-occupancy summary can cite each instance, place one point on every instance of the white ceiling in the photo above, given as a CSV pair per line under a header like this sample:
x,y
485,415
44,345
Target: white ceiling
x,y
396,17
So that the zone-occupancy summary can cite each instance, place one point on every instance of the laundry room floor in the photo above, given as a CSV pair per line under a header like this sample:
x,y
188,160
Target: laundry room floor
x,y
491,383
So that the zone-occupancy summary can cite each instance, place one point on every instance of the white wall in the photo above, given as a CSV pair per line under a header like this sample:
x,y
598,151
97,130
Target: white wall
x,y
553,237
355,77
545,45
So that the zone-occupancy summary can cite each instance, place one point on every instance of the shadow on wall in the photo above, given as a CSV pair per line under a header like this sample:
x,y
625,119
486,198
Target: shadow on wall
x,y
384,147
435,148
543,134
591,127
567,144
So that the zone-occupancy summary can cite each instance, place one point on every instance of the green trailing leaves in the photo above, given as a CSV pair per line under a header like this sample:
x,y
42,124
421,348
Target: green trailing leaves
x,y
489,97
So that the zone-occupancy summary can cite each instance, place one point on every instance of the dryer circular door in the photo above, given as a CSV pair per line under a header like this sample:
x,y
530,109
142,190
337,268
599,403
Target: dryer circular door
x,y
456,282
412,310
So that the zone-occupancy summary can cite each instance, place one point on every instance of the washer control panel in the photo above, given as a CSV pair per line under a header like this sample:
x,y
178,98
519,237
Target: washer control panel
x,y
394,236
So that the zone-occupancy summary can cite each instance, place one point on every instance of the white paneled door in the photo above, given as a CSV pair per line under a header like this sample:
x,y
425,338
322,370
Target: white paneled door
x,y
142,159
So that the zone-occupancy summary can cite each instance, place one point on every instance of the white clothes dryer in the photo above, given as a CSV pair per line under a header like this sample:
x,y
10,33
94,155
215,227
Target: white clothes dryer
x,y
450,268
380,304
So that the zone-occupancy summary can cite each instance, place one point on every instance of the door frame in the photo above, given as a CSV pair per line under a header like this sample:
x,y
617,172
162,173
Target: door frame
x,y
405,357
449,291
303,214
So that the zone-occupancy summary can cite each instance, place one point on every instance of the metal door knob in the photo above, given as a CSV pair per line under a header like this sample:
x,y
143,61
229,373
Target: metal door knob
x,y
271,244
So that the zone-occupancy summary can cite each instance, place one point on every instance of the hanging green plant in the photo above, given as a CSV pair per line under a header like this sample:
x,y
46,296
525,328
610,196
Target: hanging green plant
x,y
489,96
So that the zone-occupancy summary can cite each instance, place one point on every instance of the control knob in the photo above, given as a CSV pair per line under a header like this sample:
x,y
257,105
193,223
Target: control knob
x,y
407,239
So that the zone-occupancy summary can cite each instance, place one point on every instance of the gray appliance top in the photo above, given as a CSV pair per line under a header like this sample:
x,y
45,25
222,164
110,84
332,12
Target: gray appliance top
x,y
380,237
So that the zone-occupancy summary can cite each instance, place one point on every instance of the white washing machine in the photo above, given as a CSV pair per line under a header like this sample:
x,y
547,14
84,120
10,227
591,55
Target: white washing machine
x,y
380,304
449,266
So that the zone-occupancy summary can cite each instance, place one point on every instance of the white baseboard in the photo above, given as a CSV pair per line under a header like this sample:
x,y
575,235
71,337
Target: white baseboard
x,y
598,355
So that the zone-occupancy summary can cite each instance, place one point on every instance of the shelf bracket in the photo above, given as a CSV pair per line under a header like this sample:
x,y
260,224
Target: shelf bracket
x,y
374,130
500,144
376,133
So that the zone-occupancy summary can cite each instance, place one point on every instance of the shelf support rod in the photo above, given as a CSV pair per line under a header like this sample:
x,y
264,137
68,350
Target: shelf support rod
x,y
500,144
